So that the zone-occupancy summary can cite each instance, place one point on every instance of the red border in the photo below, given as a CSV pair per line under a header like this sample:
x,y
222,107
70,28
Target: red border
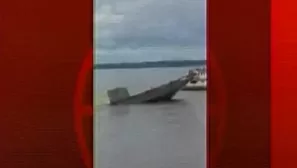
x,y
42,46
238,34
83,109
284,84
216,108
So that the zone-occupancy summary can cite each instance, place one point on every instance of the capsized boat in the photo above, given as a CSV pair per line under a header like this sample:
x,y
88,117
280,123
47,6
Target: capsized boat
x,y
164,92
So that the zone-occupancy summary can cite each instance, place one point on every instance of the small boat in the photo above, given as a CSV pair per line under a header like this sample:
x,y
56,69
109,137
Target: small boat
x,y
195,85
164,92
199,81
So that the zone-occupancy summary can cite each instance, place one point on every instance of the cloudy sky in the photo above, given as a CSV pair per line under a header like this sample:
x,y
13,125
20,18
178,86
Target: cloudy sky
x,y
149,30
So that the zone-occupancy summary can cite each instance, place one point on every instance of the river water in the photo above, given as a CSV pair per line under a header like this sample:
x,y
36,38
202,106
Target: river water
x,y
163,135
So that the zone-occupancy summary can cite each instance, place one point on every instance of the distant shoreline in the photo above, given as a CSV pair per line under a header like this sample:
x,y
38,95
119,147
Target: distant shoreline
x,y
156,64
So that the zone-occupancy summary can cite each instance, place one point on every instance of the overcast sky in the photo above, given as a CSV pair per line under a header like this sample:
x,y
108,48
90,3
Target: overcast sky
x,y
149,30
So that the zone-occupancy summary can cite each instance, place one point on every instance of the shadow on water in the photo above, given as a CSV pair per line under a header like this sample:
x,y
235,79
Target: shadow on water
x,y
164,102
120,110
173,101
125,109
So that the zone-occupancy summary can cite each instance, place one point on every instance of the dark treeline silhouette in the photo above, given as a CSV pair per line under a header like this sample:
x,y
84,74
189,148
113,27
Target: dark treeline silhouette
x,y
157,64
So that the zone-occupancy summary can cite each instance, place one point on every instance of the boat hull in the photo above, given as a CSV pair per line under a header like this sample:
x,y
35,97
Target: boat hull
x,y
162,93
